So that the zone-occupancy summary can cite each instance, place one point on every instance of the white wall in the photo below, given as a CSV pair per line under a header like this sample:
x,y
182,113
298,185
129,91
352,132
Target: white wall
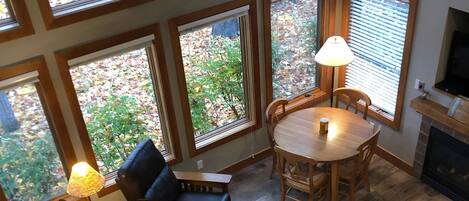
x,y
428,40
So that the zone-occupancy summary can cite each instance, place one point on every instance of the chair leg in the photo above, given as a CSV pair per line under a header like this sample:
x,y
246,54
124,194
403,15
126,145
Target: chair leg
x,y
283,193
274,165
352,191
366,182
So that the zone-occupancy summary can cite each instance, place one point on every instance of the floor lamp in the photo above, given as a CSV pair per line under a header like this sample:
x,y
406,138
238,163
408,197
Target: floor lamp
x,y
334,53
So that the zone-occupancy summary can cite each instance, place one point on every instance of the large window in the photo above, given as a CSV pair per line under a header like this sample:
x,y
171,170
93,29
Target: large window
x,y
295,37
293,33
120,97
57,13
14,20
217,75
31,166
380,34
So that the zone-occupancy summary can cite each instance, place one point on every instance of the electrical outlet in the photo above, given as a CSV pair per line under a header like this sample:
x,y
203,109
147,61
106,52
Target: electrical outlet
x,y
419,85
200,164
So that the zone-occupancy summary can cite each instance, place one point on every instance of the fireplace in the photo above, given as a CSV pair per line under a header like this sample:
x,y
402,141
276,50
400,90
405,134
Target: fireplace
x,y
446,165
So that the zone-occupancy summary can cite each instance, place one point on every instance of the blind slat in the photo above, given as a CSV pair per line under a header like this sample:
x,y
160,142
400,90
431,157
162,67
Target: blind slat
x,y
377,33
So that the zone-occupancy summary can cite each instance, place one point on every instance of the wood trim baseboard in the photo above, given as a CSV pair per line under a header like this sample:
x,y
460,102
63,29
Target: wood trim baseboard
x,y
237,166
393,159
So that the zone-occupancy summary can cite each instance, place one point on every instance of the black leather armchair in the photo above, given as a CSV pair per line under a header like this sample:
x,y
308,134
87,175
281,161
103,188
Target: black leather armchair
x,y
145,176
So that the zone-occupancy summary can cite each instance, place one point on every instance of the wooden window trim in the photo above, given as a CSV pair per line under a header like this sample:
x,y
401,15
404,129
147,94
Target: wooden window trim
x,y
53,113
53,22
327,28
64,55
21,16
393,122
198,15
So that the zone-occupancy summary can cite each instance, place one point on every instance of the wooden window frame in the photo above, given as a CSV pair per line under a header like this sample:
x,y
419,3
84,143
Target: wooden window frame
x,y
393,122
51,21
23,26
62,58
52,111
327,28
174,23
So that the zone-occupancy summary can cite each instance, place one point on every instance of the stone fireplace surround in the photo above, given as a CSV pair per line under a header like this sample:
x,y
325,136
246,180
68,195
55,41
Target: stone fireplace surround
x,y
434,115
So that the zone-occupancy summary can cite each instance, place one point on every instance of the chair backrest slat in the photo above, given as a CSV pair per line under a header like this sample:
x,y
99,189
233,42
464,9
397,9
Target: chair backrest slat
x,y
352,97
272,117
367,149
296,168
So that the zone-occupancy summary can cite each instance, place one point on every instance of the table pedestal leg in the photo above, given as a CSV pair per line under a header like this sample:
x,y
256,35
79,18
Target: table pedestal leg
x,y
334,180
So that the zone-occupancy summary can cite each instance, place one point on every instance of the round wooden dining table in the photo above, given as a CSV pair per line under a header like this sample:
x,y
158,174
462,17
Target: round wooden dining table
x,y
298,133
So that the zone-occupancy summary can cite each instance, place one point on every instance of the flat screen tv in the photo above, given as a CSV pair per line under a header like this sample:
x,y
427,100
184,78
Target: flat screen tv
x,y
457,71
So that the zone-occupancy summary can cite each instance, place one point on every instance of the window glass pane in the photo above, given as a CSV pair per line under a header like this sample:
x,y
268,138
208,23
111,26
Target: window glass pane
x,y
30,165
55,3
377,33
4,12
64,7
119,107
294,44
214,72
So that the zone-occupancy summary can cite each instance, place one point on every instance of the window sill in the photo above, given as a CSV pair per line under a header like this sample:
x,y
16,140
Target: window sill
x,y
68,17
301,102
381,116
224,136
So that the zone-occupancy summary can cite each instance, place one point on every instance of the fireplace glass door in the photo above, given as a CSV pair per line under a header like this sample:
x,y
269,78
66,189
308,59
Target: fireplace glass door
x,y
446,165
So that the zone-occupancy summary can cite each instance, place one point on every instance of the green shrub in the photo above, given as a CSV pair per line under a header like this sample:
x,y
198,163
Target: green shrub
x,y
222,83
31,170
115,129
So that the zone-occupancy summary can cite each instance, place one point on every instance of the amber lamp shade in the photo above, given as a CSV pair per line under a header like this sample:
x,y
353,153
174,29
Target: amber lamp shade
x,y
84,181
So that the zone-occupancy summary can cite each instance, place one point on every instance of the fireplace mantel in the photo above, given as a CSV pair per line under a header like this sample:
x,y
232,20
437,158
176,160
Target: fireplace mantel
x,y
438,112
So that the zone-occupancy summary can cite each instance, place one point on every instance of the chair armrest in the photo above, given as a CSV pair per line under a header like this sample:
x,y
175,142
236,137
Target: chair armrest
x,y
197,181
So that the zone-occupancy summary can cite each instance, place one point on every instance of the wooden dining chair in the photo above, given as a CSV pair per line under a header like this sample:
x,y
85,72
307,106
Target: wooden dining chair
x,y
272,118
301,173
352,97
354,172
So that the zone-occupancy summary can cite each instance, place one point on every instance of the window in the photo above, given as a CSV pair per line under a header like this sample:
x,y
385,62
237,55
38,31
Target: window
x,y
218,73
14,20
380,34
120,98
295,38
63,7
57,13
5,15
293,32
31,163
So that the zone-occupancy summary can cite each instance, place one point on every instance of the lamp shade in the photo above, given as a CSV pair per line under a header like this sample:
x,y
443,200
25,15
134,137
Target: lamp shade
x,y
84,181
334,52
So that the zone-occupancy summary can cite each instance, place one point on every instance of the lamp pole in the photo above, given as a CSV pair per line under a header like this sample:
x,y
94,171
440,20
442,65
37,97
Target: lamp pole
x,y
332,85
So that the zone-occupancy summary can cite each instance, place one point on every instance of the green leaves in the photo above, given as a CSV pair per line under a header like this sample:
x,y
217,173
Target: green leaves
x,y
115,129
216,91
30,169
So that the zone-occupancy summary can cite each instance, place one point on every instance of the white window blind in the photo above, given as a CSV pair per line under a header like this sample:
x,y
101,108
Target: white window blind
x,y
377,33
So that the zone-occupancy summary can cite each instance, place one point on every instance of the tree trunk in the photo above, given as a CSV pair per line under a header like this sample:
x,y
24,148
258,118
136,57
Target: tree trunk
x,y
7,116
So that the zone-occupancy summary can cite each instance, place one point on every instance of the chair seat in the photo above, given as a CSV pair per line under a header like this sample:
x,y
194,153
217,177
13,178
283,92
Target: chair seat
x,y
191,196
